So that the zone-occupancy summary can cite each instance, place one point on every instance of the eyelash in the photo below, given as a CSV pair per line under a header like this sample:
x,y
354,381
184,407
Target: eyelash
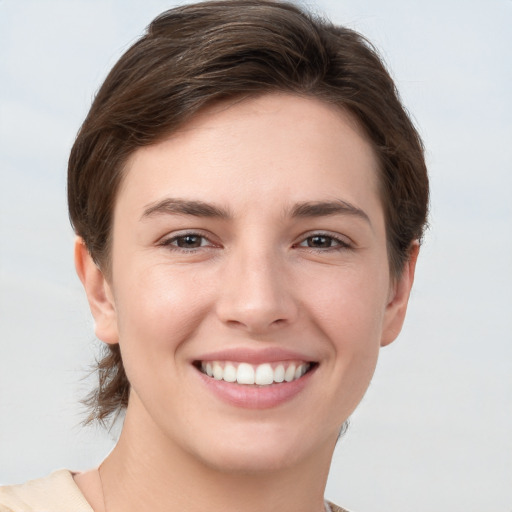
x,y
171,243
339,243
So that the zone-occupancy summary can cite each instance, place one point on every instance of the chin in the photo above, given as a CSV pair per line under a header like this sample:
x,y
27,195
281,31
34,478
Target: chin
x,y
242,460
258,450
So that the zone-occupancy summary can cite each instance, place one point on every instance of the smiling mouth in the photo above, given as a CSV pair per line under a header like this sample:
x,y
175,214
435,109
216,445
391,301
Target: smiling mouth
x,y
260,375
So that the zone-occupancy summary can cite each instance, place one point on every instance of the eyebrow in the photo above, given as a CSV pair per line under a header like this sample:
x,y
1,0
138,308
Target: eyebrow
x,y
308,209
184,207
325,208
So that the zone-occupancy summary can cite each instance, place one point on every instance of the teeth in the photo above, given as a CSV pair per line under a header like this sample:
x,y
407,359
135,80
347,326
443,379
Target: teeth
x,y
261,375
245,374
289,374
264,375
279,373
218,372
229,373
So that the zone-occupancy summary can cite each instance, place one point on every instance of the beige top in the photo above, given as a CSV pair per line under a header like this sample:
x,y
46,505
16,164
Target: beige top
x,y
57,493
54,493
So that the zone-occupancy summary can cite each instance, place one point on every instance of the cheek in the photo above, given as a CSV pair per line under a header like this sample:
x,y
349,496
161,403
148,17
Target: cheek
x,y
349,305
348,328
156,313
348,310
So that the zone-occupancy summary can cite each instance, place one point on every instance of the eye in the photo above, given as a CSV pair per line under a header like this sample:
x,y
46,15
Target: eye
x,y
324,241
187,241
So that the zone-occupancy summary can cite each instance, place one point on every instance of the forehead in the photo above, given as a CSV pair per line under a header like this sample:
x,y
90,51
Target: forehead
x,y
276,146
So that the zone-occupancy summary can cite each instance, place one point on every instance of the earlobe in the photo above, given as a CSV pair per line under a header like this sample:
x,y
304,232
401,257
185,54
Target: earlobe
x,y
98,293
397,306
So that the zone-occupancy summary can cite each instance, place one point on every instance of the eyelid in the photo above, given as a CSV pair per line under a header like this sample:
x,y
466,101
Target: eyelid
x,y
167,240
343,241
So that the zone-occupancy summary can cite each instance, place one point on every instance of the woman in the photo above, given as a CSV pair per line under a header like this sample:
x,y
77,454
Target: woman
x,y
249,196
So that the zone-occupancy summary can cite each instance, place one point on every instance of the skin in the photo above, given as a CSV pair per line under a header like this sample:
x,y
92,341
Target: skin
x,y
257,279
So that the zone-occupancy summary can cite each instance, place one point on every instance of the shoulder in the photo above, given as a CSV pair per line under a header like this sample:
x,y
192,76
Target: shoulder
x,y
53,493
335,508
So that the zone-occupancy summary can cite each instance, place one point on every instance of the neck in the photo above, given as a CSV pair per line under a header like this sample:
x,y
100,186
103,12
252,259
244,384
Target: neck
x,y
147,471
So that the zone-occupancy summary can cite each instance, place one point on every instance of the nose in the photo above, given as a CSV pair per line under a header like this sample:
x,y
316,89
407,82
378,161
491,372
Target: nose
x,y
256,293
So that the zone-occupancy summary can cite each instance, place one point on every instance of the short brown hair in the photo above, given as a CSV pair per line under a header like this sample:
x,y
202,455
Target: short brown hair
x,y
194,55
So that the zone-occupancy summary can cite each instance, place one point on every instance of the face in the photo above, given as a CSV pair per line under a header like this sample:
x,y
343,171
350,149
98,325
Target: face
x,y
250,288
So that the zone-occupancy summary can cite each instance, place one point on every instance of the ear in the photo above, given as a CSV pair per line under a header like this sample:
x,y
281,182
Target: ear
x,y
99,294
399,297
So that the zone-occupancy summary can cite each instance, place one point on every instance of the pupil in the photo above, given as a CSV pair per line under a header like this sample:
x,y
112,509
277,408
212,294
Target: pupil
x,y
320,241
189,241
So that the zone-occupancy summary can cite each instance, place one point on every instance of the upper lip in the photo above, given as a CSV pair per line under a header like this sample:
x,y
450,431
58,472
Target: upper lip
x,y
254,356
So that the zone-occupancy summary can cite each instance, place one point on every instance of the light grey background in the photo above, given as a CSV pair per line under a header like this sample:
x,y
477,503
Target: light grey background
x,y
434,431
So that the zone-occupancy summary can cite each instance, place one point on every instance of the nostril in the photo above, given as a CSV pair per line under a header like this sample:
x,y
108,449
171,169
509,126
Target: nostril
x,y
256,325
235,323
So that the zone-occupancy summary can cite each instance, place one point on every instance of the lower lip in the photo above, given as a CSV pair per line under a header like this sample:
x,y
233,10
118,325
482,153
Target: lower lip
x,y
256,397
